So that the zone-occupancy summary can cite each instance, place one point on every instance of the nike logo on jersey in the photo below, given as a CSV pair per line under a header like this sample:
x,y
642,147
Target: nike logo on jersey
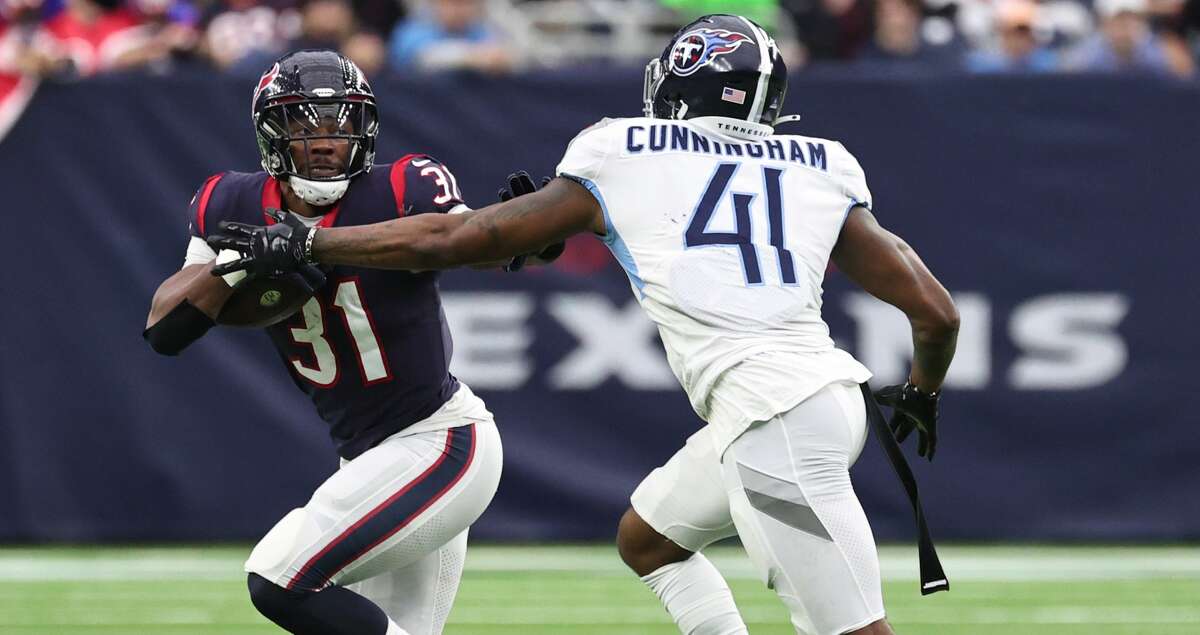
x,y
676,138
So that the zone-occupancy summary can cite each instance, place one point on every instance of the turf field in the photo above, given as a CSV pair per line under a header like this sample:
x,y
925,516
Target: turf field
x,y
586,591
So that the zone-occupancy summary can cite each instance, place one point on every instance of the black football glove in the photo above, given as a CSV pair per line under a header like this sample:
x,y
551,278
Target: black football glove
x,y
310,276
520,184
912,409
279,248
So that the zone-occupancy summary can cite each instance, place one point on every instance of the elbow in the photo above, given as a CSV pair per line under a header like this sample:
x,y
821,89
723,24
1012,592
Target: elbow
x,y
448,251
162,340
177,329
162,349
438,253
436,250
939,324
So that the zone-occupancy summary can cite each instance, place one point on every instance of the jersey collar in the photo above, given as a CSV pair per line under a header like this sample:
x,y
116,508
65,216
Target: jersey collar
x,y
736,128
272,197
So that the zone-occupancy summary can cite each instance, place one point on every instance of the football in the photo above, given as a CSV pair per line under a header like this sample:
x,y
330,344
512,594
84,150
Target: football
x,y
263,301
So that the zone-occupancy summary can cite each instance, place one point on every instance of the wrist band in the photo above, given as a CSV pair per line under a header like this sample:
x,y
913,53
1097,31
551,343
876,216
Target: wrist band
x,y
928,395
308,243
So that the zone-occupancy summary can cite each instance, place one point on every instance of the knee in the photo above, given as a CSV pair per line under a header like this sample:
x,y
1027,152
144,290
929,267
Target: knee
x,y
634,542
272,600
642,548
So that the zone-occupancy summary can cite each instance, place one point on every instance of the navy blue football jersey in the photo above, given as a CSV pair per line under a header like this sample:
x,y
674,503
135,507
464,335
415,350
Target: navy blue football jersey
x,y
372,348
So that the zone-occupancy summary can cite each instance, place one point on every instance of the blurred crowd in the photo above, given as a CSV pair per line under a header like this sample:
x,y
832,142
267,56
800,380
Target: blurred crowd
x,y
80,38
1004,36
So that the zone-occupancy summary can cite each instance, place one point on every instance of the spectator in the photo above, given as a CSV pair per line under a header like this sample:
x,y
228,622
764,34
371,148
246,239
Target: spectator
x,y
242,34
330,24
26,54
378,16
450,34
898,37
830,29
1180,20
167,34
1015,48
26,47
93,34
246,38
1124,42
368,51
1058,22
324,24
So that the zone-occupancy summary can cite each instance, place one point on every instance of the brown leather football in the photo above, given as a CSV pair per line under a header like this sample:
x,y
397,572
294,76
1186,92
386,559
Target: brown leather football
x,y
263,301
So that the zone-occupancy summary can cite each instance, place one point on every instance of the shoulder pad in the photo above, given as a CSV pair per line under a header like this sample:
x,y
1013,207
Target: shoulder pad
x,y
236,196
422,185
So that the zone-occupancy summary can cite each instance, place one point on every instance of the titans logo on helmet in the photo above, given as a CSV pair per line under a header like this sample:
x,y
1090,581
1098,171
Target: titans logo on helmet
x,y
701,47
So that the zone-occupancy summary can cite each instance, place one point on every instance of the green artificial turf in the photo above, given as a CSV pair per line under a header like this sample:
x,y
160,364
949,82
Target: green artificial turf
x,y
584,590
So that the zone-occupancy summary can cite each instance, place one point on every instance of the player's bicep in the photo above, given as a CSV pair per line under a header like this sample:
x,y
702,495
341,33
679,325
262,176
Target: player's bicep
x,y
887,267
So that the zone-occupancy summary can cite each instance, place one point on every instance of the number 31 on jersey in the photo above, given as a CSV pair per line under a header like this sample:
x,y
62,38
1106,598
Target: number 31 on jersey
x,y
347,301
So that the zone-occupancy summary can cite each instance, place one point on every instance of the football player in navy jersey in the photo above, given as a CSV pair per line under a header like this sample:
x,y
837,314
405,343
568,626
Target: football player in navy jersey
x,y
379,548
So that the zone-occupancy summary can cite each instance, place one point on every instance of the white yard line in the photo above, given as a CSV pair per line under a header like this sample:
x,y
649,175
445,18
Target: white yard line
x,y
626,615
999,564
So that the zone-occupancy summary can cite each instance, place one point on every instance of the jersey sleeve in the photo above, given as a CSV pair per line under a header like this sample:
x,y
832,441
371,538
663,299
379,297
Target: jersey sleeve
x,y
852,177
587,153
198,216
198,252
424,185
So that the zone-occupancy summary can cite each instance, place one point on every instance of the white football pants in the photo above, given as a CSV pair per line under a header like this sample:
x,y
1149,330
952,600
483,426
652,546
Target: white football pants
x,y
392,523
784,487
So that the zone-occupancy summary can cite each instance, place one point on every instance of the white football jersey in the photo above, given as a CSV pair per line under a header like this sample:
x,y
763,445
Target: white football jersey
x,y
725,231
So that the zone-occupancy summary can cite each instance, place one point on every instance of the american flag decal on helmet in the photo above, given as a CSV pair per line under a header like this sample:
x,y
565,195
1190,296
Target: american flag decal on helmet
x,y
733,95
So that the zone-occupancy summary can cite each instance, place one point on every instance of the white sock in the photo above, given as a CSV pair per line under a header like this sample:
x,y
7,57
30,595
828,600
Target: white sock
x,y
697,597
394,629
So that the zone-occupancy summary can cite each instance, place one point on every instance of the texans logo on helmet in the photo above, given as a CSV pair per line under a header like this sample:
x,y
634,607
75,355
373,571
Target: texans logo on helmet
x,y
699,48
266,80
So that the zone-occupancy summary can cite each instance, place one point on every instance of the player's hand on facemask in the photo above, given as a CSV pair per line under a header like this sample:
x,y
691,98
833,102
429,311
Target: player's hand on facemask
x,y
520,184
279,248
912,409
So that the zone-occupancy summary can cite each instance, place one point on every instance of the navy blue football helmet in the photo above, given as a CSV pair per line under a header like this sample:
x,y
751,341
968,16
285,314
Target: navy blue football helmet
x,y
309,95
718,66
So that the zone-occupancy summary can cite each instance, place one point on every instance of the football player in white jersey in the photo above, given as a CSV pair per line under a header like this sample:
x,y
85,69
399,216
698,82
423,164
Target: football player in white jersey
x,y
725,230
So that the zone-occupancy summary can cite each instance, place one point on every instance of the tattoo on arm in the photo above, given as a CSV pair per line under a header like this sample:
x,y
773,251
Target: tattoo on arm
x,y
490,223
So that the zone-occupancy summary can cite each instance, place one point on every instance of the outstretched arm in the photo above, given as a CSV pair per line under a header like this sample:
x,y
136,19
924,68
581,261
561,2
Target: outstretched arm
x,y
523,225
887,267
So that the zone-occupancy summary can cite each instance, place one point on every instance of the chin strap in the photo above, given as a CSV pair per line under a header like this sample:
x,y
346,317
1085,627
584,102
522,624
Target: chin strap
x,y
785,119
319,193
